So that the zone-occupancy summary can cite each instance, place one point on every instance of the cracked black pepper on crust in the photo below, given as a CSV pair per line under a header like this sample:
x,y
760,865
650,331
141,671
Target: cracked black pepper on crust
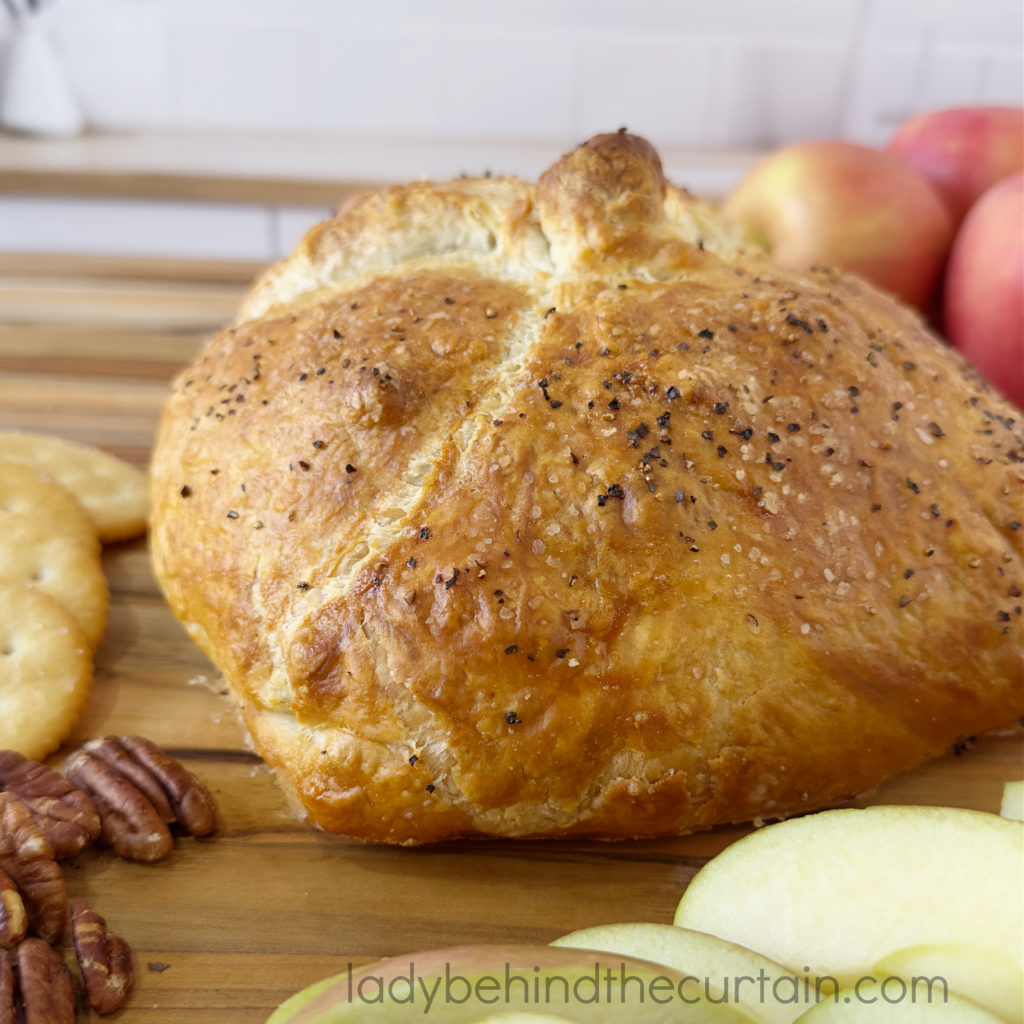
x,y
647,534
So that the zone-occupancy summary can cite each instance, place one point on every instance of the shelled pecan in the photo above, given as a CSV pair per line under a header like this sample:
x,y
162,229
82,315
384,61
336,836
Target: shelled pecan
x,y
128,821
27,858
104,959
65,814
45,990
191,801
122,789
13,917
6,989
110,750
139,790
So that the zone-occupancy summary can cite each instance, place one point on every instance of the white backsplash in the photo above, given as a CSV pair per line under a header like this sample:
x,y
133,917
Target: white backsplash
x,y
692,72
341,90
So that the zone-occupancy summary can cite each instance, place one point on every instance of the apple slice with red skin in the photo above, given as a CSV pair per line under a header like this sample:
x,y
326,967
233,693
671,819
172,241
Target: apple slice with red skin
x,y
524,1018
467,984
761,988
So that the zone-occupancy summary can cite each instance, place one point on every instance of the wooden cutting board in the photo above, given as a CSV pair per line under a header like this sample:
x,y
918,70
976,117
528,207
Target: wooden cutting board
x,y
226,928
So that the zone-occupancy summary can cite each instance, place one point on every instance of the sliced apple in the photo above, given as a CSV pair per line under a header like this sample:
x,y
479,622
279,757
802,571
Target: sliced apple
x,y
993,982
728,973
523,1018
289,1009
891,1001
1013,801
836,892
467,984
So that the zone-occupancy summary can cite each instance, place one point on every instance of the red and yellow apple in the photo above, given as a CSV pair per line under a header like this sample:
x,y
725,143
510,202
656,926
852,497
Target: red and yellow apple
x,y
963,151
847,206
983,292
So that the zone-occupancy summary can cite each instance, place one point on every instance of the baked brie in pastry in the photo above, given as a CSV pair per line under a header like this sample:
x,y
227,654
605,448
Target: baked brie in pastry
x,y
548,510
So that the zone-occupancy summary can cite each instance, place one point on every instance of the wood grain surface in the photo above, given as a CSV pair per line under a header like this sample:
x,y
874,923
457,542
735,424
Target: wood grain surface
x,y
227,927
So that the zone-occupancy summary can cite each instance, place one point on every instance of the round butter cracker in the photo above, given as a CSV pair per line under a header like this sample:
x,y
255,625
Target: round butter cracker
x,y
64,567
45,670
114,492
25,490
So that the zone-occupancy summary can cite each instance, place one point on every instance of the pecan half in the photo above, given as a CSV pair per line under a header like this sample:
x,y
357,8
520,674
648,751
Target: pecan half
x,y
128,821
103,958
65,814
139,790
109,750
13,918
27,857
44,985
191,800
6,989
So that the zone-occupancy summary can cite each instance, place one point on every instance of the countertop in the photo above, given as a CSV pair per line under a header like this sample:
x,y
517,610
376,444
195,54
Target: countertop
x,y
227,927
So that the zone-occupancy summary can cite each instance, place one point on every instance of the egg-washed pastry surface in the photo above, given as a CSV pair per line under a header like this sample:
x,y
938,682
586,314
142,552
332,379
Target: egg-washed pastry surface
x,y
546,510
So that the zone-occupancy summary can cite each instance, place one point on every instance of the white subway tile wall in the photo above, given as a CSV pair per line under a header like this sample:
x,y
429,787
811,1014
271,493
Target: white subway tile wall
x,y
688,72
511,82
136,227
619,70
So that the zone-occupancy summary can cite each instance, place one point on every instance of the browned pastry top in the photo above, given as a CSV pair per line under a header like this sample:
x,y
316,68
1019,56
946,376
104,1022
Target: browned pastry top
x,y
545,510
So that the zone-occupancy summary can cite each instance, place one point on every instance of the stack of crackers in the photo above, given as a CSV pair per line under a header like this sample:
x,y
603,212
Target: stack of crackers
x,y
59,503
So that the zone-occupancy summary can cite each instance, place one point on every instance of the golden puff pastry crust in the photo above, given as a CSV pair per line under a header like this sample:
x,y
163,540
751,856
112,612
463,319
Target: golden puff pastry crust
x,y
547,510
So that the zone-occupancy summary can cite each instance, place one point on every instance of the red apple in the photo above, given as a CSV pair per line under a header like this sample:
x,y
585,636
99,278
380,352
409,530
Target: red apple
x,y
963,151
984,287
851,207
